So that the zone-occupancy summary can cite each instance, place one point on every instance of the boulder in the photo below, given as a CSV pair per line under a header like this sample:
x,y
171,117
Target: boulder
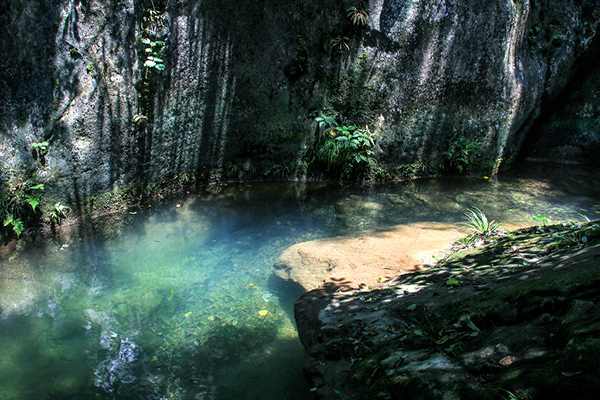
x,y
366,260
514,319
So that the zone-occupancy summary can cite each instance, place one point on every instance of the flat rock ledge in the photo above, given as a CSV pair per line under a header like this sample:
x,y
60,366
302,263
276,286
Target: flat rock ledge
x,y
510,322
367,260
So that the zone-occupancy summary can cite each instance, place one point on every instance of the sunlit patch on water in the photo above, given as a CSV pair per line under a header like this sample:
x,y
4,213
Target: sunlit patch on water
x,y
181,303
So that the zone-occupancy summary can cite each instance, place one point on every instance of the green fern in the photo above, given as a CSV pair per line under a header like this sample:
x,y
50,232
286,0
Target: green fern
x,y
17,224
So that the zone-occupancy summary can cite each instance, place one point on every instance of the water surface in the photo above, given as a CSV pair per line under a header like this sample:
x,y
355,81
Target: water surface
x,y
180,302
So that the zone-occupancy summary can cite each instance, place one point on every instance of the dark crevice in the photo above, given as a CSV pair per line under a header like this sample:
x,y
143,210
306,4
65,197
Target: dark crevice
x,y
585,67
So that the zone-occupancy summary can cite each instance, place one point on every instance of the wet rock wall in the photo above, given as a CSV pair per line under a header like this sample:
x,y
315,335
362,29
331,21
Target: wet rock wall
x,y
244,80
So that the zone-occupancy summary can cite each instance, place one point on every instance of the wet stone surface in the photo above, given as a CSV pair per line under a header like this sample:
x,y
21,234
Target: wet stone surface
x,y
485,324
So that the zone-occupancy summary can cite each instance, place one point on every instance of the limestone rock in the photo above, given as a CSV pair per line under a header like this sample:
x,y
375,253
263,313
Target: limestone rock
x,y
513,329
242,81
369,259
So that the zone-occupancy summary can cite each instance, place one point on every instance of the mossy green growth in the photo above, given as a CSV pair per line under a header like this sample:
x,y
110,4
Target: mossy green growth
x,y
387,173
351,95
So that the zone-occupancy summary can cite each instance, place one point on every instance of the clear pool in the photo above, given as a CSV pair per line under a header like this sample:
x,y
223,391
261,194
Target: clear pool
x,y
180,302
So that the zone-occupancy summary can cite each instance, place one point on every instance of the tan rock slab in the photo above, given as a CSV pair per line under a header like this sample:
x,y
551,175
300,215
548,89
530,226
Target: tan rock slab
x,y
368,259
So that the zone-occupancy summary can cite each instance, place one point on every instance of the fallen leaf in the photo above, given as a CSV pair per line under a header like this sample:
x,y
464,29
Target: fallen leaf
x,y
507,361
570,374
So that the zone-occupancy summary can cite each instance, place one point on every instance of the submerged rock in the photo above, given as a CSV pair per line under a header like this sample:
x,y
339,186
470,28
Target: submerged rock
x,y
486,324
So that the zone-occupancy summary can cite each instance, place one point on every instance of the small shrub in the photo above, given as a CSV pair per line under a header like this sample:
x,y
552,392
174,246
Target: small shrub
x,y
59,213
339,44
153,50
543,219
343,151
462,153
279,171
40,150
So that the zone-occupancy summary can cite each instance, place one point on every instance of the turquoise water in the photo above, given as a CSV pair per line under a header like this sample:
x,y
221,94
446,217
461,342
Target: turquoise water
x,y
180,301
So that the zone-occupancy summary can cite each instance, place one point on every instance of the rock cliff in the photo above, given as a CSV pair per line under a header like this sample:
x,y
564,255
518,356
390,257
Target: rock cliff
x,y
239,83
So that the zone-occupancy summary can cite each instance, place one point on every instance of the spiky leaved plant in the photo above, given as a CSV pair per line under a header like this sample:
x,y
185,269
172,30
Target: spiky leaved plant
x,y
478,222
358,16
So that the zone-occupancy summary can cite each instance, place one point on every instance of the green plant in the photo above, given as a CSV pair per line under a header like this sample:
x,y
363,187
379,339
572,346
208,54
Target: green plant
x,y
478,222
327,43
300,167
19,205
58,213
343,150
358,16
533,32
461,154
152,51
40,150
140,119
340,44
301,53
151,45
279,170
506,394
519,4
74,51
540,218
91,69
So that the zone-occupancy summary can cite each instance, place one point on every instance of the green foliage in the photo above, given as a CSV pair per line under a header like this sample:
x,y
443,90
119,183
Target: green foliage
x,y
339,44
74,51
40,150
576,234
327,43
19,205
462,153
152,43
286,170
301,53
343,151
540,218
152,51
352,94
519,5
478,222
533,32
140,119
358,16
91,69
16,223
58,213
282,170
382,174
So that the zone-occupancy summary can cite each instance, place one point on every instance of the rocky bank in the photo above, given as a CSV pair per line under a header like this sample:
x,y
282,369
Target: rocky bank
x,y
515,318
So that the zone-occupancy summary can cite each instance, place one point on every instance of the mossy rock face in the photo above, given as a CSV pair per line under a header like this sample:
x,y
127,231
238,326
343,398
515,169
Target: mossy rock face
x,y
524,324
242,83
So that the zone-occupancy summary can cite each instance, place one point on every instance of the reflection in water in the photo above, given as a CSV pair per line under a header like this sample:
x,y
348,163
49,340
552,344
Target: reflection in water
x,y
182,304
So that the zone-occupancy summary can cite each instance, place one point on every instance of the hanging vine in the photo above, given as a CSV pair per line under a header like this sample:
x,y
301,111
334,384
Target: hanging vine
x,y
151,45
